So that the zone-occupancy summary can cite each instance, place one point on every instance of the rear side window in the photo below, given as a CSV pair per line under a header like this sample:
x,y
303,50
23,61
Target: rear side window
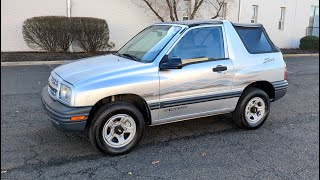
x,y
255,40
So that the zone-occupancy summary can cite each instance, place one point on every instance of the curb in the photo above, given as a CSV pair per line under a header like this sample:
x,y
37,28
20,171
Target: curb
x,y
299,55
33,63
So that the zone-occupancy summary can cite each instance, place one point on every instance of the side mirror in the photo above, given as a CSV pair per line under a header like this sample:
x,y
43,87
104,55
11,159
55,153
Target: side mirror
x,y
171,63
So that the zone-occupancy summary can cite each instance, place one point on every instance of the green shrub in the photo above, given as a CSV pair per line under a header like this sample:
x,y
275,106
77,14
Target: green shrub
x,y
50,33
91,34
309,43
57,33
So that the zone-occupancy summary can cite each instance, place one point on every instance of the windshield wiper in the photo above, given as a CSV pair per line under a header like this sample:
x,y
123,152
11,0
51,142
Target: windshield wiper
x,y
131,57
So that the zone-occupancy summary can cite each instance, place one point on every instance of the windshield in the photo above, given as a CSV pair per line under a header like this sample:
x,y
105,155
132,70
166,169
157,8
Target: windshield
x,y
147,45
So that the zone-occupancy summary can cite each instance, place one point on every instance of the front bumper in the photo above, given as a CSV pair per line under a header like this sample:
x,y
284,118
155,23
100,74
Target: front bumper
x,y
61,113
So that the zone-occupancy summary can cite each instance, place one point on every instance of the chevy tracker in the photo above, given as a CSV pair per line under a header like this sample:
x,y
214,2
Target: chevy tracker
x,y
168,72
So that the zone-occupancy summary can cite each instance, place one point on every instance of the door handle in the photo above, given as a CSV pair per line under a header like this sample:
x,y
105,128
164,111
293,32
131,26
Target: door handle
x,y
219,68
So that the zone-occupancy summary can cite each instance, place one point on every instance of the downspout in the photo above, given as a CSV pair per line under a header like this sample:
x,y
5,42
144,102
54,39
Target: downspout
x,y
68,8
239,11
69,15
294,22
224,15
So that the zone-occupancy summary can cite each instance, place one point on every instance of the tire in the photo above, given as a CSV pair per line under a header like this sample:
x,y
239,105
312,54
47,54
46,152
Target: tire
x,y
107,126
254,117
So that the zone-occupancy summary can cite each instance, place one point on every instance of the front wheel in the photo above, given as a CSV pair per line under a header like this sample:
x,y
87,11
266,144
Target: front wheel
x,y
116,128
252,109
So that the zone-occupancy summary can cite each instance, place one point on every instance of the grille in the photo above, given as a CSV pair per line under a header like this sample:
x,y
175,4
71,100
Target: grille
x,y
53,86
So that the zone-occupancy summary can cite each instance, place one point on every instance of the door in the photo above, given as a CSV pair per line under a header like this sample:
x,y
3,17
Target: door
x,y
203,85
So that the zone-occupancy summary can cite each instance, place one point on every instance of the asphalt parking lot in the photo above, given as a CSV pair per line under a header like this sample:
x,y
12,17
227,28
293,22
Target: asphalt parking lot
x,y
285,147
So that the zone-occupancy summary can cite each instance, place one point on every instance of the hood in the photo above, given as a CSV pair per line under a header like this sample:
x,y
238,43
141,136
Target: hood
x,y
90,67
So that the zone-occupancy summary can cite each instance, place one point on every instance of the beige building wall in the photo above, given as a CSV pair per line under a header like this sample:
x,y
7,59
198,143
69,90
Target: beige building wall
x,y
296,21
125,18
14,12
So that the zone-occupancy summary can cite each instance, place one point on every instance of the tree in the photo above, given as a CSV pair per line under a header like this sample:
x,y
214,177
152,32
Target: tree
x,y
169,10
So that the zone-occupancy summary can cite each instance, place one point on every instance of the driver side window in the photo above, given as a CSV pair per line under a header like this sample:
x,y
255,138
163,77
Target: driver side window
x,y
200,44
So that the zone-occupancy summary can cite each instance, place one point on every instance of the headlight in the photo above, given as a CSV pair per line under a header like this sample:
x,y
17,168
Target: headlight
x,y
65,93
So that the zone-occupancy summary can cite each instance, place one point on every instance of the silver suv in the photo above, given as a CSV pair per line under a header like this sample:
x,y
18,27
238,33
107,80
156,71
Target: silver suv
x,y
168,72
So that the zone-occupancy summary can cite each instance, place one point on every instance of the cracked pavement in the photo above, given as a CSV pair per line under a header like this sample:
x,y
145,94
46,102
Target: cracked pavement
x,y
285,147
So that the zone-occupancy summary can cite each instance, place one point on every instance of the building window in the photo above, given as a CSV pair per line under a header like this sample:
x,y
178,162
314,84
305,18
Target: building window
x,y
282,17
313,28
254,16
314,16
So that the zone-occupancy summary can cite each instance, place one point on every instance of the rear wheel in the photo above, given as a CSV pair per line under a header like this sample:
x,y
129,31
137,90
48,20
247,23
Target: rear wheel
x,y
116,128
252,109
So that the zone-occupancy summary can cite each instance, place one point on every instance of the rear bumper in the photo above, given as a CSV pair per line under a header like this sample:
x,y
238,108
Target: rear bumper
x,y
280,88
61,113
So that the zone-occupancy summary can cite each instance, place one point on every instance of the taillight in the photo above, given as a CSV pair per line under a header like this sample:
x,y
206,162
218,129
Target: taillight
x,y
285,73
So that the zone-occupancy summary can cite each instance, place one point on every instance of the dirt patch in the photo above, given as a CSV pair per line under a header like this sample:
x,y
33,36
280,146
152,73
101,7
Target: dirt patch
x,y
45,56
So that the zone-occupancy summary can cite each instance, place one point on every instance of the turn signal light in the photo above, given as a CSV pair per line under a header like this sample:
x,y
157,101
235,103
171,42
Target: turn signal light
x,y
77,118
285,73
